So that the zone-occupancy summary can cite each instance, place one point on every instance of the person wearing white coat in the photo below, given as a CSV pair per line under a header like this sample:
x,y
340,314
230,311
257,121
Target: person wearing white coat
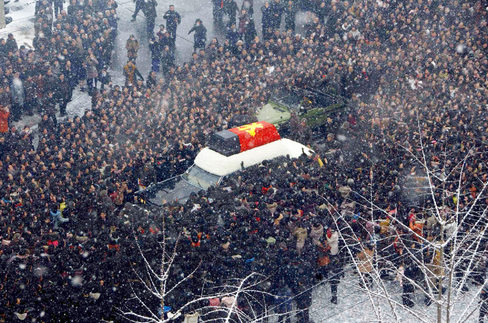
x,y
333,241
335,263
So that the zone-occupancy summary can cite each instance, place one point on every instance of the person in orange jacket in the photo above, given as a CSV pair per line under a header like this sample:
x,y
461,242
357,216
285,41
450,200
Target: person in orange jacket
x,y
131,73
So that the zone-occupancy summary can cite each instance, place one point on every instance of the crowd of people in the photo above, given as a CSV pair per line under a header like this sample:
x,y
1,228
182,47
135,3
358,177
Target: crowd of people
x,y
74,47
415,73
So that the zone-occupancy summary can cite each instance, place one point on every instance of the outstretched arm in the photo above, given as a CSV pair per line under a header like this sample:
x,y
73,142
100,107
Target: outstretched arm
x,y
139,74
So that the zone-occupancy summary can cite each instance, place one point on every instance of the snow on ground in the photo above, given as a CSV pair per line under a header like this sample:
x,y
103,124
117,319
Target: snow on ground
x,y
354,305
22,25
80,102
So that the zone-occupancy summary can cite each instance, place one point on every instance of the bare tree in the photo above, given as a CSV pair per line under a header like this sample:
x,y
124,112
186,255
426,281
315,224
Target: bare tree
x,y
446,247
238,300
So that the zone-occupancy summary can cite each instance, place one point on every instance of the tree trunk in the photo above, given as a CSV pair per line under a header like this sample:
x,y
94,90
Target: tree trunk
x,y
439,284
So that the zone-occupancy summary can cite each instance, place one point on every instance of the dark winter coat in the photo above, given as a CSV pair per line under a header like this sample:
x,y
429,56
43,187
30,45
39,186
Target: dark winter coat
x,y
49,105
290,13
155,48
267,16
173,19
231,8
149,9
30,90
11,45
63,91
276,11
232,36
200,36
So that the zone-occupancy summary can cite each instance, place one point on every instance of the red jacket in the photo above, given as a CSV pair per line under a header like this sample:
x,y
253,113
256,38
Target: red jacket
x,y
4,121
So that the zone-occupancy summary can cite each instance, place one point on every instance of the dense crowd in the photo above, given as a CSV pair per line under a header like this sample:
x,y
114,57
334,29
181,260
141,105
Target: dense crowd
x,y
72,48
412,70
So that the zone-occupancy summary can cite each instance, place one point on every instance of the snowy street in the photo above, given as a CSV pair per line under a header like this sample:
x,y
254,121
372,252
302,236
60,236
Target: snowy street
x,y
189,10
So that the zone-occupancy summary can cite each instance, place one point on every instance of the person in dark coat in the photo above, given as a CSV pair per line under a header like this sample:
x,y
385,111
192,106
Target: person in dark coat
x,y
277,12
321,11
230,9
232,36
200,36
266,19
151,80
58,7
11,44
290,13
218,12
49,107
167,59
250,33
30,95
104,77
73,7
248,5
334,276
63,94
283,301
151,14
411,274
173,19
139,6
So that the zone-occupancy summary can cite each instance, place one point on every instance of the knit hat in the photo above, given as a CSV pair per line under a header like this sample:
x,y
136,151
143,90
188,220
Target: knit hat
x,y
228,301
214,301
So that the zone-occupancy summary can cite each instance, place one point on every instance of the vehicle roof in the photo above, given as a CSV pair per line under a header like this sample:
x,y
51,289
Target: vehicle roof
x,y
218,164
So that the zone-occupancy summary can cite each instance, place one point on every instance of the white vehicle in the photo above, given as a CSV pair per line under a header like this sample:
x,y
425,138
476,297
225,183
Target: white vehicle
x,y
213,163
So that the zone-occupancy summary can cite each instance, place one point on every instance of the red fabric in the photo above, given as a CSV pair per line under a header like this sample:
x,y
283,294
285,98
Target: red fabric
x,y
221,4
113,246
411,217
396,245
256,134
4,121
265,189
351,120
214,302
53,243
198,243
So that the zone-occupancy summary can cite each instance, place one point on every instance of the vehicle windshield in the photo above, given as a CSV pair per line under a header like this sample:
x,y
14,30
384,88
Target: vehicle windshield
x,y
199,177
